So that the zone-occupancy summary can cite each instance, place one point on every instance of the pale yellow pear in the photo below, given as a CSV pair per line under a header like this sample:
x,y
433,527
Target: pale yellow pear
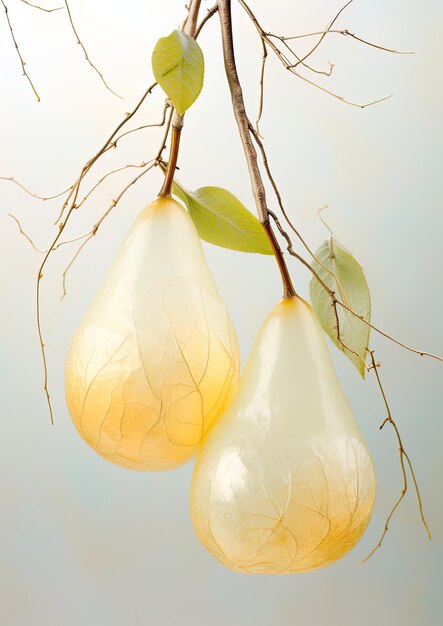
x,y
156,358
284,481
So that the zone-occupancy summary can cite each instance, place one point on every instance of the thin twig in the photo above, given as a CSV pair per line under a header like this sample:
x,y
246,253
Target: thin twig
x,y
335,301
331,23
107,175
75,187
36,6
70,205
277,193
212,11
34,195
262,85
291,67
346,33
297,256
97,225
380,332
134,130
323,221
94,67
22,61
73,195
300,61
403,456
153,163
25,235
87,236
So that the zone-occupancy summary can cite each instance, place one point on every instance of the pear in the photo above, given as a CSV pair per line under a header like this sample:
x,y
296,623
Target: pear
x,y
156,357
284,481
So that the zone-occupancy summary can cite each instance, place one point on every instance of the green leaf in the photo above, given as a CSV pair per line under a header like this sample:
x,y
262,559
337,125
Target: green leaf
x,y
220,218
350,286
178,66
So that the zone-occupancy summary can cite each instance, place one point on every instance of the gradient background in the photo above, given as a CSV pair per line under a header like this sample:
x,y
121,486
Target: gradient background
x,y
88,543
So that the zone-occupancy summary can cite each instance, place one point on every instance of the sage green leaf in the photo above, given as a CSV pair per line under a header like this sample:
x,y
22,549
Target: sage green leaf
x,y
178,66
220,218
350,286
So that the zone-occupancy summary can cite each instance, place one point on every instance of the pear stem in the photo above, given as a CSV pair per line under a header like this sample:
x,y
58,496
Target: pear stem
x,y
245,129
165,191
288,287
190,28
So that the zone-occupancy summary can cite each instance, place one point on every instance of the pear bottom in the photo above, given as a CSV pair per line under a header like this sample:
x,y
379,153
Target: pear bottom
x,y
301,516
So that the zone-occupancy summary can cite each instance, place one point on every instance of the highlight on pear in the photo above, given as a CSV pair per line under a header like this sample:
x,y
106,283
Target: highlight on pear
x,y
156,357
284,481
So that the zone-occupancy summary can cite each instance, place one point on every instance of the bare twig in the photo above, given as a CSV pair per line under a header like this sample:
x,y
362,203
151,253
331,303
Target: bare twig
x,y
87,236
262,85
107,175
22,61
264,35
25,235
390,337
75,187
30,193
210,12
300,61
345,33
36,6
97,225
167,106
72,198
94,67
335,301
323,221
403,456
330,25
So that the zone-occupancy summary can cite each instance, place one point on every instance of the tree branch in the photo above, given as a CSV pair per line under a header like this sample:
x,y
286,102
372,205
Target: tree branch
x,y
190,28
36,6
94,67
403,457
22,61
245,129
267,37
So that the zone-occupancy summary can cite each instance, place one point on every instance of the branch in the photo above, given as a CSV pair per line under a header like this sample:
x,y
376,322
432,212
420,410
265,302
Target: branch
x,y
265,36
72,199
30,193
87,236
22,61
403,457
331,24
262,85
36,6
69,206
345,32
212,11
334,300
94,67
25,235
93,231
245,129
190,28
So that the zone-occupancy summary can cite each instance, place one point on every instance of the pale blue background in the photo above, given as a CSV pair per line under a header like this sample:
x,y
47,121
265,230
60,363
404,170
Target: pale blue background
x,y
87,543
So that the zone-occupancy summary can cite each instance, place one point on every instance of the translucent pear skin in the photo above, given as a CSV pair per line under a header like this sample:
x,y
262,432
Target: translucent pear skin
x,y
156,357
284,481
